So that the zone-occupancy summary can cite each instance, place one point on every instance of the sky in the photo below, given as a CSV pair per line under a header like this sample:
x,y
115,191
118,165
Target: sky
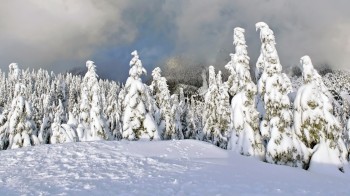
x,y
59,35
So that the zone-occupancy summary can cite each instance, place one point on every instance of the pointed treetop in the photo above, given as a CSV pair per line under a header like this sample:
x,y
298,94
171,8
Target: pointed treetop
x,y
14,72
135,59
156,73
134,53
309,73
238,36
136,69
90,65
13,66
305,61
212,79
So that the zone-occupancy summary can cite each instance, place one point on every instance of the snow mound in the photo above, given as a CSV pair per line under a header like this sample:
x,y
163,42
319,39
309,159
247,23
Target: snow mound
x,y
175,167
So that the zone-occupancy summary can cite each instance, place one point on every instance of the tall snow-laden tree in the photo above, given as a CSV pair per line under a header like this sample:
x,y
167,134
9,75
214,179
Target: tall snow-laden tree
x,y
21,128
194,125
176,111
138,122
183,110
282,145
215,127
162,97
3,91
314,122
245,136
112,111
92,122
13,78
204,88
223,110
239,75
267,40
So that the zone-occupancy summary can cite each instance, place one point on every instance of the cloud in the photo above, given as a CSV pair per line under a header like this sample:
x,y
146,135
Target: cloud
x,y
58,35
44,33
319,28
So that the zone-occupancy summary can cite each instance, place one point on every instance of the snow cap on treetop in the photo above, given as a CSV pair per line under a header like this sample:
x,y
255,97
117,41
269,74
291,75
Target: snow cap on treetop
x,y
90,64
238,29
307,68
306,65
134,53
261,25
13,66
305,60
156,72
238,36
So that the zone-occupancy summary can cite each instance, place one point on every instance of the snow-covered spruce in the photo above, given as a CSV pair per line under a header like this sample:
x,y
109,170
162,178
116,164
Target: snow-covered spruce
x,y
92,122
138,121
239,64
21,129
245,136
314,122
193,120
282,145
167,114
216,119
113,112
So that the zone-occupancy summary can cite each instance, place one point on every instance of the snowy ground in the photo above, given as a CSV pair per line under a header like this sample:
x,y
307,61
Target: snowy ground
x,y
153,168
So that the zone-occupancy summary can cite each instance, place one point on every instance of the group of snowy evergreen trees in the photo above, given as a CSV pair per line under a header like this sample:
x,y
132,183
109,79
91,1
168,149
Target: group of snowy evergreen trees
x,y
268,120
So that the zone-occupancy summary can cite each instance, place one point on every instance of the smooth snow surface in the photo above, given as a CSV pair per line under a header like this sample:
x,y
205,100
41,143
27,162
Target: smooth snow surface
x,y
184,167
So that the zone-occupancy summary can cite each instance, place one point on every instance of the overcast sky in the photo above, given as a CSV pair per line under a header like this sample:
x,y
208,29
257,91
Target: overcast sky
x,y
61,34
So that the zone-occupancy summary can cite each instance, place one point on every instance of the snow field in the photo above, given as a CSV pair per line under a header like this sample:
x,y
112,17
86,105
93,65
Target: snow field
x,y
185,167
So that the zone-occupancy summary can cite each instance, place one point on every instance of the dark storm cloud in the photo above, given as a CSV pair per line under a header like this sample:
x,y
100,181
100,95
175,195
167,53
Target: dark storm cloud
x,y
61,34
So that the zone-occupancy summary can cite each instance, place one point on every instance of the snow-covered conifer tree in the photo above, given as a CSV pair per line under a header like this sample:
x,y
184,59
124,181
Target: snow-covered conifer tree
x,y
13,78
282,146
138,122
314,122
21,129
183,110
245,136
98,127
238,74
61,132
92,122
193,119
112,112
215,129
48,117
176,111
162,97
